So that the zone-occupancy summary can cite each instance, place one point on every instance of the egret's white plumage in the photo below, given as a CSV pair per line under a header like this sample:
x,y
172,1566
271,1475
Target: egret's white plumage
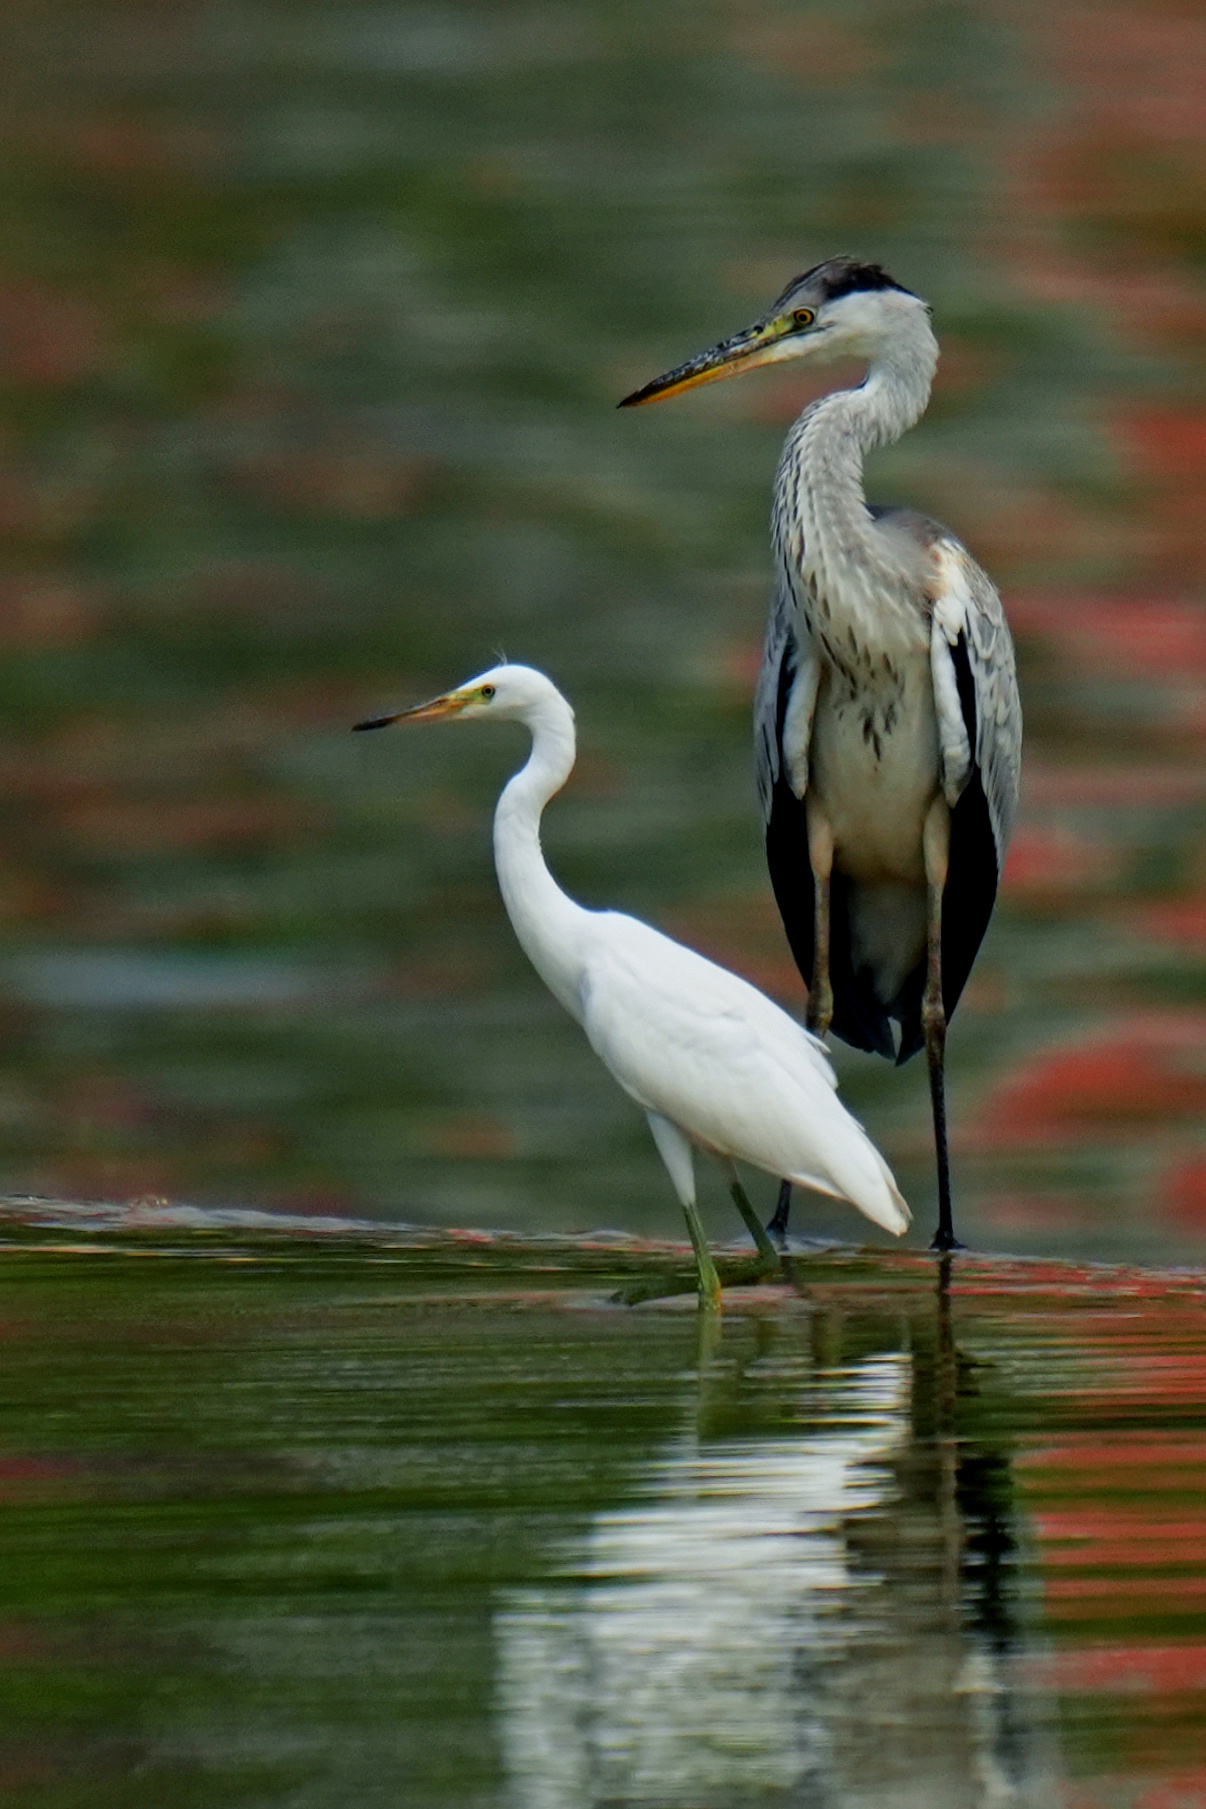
x,y
703,1048
710,1059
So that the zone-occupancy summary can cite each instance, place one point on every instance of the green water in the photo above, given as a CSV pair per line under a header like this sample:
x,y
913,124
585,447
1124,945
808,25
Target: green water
x,y
311,1520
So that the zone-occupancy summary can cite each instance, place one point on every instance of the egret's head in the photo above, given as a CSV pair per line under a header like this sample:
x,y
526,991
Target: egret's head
x,y
505,692
839,309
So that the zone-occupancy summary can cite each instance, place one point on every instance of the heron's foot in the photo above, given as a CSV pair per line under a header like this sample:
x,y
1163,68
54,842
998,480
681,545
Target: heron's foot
x,y
945,1241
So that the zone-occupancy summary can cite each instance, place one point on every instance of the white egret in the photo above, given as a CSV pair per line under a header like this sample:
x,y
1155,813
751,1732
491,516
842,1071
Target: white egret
x,y
887,721
707,1056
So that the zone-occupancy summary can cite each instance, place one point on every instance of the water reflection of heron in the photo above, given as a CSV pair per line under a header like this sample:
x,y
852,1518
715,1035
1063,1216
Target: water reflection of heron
x,y
887,717
708,1056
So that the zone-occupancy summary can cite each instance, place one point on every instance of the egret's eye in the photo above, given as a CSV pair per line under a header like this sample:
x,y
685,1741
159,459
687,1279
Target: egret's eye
x,y
803,317
486,692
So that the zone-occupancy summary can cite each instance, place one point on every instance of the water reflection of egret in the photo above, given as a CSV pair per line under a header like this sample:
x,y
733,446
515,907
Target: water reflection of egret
x,y
888,723
831,1618
708,1057
686,1665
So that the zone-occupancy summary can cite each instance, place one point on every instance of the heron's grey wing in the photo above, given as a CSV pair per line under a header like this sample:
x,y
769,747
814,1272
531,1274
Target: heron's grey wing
x,y
980,745
975,688
784,704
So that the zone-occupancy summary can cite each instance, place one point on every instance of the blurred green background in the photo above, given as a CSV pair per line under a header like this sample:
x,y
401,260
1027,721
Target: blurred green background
x,y
312,322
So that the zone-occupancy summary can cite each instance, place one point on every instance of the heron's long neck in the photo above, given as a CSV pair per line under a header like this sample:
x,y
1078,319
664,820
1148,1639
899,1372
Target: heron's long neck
x,y
822,531
546,921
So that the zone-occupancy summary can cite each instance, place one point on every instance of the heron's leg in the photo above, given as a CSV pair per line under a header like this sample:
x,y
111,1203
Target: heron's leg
x,y
820,855
936,841
675,1151
777,1223
766,1250
820,991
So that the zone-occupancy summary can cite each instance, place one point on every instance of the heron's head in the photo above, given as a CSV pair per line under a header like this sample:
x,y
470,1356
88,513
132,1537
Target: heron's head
x,y
839,309
507,693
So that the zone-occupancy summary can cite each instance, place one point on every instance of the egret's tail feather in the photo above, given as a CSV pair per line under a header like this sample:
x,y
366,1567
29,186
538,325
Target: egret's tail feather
x,y
868,1184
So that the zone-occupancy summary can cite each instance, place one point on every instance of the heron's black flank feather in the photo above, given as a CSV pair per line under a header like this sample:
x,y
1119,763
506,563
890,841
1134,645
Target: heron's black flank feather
x,y
783,685
966,685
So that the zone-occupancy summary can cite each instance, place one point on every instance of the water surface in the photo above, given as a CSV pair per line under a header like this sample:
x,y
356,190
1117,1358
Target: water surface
x,y
312,1518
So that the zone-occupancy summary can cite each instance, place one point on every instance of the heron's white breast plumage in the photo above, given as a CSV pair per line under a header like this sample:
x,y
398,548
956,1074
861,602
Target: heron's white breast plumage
x,y
874,767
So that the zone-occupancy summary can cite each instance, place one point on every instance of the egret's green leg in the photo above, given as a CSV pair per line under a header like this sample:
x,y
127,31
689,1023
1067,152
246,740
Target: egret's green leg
x,y
766,1249
709,1280
674,1148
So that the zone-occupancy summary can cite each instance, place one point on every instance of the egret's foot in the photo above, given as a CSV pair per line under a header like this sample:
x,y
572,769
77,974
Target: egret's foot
x,y
946,1241
657,1287
741,1271
777,1224
736,1273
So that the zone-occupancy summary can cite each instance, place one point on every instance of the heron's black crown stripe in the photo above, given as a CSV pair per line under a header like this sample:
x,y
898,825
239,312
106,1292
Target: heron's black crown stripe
x,y
843,276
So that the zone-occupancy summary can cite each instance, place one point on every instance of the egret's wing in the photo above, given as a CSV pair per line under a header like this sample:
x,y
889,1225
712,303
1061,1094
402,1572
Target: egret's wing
x,y
701,1047
676,1030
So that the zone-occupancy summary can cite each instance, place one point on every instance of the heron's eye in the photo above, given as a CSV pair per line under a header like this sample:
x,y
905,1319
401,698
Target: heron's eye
x,y
803,317
486,692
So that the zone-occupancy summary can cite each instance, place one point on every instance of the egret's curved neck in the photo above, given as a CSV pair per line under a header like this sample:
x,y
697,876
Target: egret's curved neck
x,y
821,527
546,921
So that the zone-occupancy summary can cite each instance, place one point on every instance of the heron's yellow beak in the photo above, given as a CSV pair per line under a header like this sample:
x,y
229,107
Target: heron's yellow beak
x,y
754,345
448,705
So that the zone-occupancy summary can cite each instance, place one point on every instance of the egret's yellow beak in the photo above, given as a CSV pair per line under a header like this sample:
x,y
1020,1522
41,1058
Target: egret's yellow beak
x,y
754,345
448,705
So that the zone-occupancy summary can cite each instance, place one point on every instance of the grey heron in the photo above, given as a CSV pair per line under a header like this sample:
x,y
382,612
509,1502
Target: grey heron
x,y
887,721
709,1058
